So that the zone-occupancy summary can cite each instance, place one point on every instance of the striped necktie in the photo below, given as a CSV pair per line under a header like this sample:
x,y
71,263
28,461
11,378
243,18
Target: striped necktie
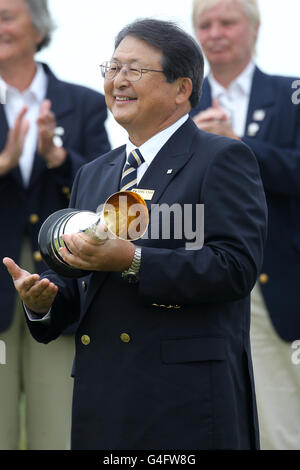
x,y
129,175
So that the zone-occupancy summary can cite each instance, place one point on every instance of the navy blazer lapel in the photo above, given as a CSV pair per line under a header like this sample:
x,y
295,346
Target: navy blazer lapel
x,y
112,171
58,94
169,161
206,98
262,98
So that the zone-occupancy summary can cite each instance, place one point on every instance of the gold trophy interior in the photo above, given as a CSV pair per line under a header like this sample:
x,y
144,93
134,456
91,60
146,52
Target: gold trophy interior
x,y
124,215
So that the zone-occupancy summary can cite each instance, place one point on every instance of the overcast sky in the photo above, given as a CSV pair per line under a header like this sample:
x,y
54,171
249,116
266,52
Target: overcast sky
x,y
86,30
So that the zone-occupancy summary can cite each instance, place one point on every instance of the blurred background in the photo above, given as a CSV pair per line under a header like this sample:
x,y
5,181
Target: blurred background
x,y
86,30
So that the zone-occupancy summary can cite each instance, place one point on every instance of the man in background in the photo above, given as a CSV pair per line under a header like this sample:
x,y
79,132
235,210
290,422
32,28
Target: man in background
x,y
242,102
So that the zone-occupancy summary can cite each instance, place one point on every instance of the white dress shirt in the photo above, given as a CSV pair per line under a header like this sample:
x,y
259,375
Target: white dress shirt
x,y
235,100
152,146
14,102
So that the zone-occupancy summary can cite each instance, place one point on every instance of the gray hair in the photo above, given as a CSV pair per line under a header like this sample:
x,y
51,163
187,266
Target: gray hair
x,y
250,8
42,20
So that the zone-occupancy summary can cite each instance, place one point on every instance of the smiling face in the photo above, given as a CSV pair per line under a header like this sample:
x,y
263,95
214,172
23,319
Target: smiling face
x,y
149,105
18,36
225,34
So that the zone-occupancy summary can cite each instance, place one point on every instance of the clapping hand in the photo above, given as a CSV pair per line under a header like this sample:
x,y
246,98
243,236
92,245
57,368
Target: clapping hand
x,y
54,156
13,149
215,120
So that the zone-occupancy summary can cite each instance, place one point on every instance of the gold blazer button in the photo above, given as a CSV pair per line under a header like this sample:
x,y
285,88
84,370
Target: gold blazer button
x,y
85,339
66,191
125,337
33,219
263,278
37,256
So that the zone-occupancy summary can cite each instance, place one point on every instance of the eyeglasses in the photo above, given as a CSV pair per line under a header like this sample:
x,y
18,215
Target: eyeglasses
x,y
133,73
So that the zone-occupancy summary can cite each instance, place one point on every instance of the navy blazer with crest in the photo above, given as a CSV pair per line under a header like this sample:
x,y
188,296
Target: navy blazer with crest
x,y
81,112
166,363
276,145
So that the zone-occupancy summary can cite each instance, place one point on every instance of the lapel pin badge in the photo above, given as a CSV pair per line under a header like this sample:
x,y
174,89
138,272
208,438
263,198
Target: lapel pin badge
x,y
147,194
58,133
259,115
169,171
253,128
57,141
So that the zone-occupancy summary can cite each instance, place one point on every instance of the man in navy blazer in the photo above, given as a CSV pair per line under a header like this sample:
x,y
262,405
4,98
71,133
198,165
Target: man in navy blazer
x,y
239,100
275,140
162,349
48,130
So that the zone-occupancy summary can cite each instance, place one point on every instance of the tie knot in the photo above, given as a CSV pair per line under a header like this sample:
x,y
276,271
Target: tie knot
x,y
129,175
135,158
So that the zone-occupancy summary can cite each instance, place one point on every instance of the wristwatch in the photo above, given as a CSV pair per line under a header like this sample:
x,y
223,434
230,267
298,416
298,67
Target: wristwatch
x,y
131,274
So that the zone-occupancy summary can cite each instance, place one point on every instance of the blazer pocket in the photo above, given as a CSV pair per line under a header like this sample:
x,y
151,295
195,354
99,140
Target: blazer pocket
x,y
176,351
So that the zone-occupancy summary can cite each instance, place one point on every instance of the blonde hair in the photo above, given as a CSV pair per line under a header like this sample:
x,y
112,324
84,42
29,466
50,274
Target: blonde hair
x,y
250,8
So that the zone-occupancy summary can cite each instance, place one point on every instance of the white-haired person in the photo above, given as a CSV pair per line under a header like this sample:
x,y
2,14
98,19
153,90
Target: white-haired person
x,y
48,130
242,102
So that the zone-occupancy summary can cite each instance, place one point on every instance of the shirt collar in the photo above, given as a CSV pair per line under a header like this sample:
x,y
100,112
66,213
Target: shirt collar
x,y
243,82
39,83
37,88
152,146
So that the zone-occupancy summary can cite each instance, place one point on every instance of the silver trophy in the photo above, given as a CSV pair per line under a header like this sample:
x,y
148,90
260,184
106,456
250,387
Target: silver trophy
x,y
124,215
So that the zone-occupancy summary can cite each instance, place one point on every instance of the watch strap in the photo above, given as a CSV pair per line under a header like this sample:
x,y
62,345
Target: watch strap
x,y
132,273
